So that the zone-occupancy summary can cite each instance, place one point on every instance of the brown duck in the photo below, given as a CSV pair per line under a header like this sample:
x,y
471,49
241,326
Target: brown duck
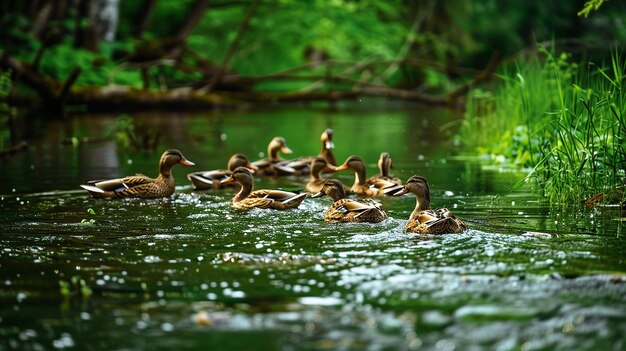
x,y
318,165
423,219
273,164
212,179
140,185
349,210
247,199
364,186
384,165
301,165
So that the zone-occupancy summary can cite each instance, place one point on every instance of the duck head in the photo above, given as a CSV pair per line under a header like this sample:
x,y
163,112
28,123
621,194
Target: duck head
x,y
171,157
333,189
240,160
418,186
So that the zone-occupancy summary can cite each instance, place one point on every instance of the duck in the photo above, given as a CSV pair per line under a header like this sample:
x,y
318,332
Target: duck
x,y
301,165
273,164
212,179
318,165
349,210
247,199
139,185
364,186
423,219
384,165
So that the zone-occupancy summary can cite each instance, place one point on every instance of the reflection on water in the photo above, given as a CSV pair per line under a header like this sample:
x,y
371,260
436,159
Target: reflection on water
x,y
190,272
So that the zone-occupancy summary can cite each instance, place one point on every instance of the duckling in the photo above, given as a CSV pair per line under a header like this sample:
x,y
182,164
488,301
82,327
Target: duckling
x,y
318,165
247,199
140,185
212,179
423,219
272,165
364,186
349,210
301,165
384,165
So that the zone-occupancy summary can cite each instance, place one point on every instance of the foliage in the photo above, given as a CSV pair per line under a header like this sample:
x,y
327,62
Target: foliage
x,y
284,33
565,124
91,220
76,286
590,5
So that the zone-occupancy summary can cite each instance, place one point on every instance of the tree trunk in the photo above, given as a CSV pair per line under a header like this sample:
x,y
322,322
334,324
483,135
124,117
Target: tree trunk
x,y
144,17
104,16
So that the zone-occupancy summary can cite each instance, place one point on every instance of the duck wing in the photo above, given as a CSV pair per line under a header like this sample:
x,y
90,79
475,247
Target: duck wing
x,y
116,185
384,186
276,195
208,179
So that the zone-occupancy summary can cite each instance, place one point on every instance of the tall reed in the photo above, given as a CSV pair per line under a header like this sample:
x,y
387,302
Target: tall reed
x,y
566,124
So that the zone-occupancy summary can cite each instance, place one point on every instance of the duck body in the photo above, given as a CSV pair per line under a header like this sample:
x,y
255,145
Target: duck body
x,y
247,199
274,165
384,165
212,179
423,219
140,186
302,165
344,210
316,182
367,187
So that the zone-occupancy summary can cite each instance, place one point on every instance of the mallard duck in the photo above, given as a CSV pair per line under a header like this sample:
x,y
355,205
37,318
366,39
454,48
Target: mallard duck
x,y
247,199
423,219
318,165
301,165
349,210
139,185
384,165
212,179
271,166
364,186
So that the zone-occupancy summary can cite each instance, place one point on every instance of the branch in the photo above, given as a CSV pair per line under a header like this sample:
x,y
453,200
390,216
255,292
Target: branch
x,y
243,27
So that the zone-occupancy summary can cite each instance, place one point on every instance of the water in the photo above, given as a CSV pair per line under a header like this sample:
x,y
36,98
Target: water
x,y
191,273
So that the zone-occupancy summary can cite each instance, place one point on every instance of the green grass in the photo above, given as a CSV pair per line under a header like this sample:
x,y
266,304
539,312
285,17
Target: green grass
x,y
563,122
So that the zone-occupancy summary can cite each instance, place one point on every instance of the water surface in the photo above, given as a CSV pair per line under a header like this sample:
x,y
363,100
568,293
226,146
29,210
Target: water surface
x,y
190,272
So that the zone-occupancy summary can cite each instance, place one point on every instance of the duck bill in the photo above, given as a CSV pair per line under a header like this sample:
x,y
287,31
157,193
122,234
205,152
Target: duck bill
x,y
330,144
342,168
227,180
252,167
330,168
285,149
186,162
401,192
318,194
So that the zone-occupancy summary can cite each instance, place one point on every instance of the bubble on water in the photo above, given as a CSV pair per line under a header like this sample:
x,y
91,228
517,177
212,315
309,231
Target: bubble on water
x,y
261,154
167,327
152,259
211,296
448,193
420,157
21,297
200,258
65,341
130,161
85,316
223,137
141,325
259,246
512,203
